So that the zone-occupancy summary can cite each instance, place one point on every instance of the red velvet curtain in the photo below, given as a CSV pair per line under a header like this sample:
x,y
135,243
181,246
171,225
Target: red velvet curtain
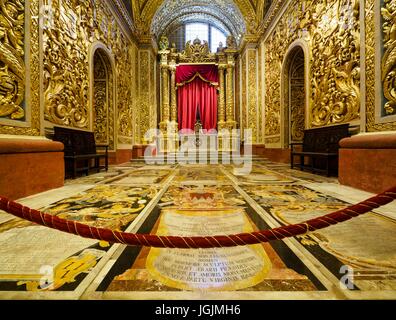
x,y
197,88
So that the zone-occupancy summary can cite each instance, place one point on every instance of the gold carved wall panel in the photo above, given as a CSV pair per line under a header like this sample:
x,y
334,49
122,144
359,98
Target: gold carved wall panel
x,y
136,128
153,113
243,120
75,27
19,106
100,111
103,100
253,112
260,102
144,92
294,96
332,31
272,89
66,42
388,63
378,108
126,91
12,54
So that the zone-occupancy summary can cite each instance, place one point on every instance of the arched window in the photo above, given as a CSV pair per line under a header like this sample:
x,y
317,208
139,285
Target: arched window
x,y
207,32
204,31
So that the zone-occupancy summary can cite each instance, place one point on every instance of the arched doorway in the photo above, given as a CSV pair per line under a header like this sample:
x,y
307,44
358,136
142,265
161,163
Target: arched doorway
x,y
294,96
103,99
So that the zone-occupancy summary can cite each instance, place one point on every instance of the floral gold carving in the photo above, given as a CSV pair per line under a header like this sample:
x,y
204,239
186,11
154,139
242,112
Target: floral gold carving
x,y
32,52
272,140
332,32
76,26
153,113
197,51
66,85
243,123
253,111
294,94
144,92
101,101
388,66
260,102
272,92
12,66
100,111
371,124
163,43
335,69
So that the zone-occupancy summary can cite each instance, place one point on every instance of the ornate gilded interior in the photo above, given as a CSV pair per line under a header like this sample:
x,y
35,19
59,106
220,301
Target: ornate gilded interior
x,y
57,81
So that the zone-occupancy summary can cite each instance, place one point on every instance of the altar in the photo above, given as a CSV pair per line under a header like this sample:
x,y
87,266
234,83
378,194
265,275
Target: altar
x,y
196,80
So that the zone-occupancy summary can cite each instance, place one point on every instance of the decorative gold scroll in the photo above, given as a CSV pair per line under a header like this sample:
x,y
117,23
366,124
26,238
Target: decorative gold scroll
x,y
12,66
76,25
331,30
197,74
197,52
388,65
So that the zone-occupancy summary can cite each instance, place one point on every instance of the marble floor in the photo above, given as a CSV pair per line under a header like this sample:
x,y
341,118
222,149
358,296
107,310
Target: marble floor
x,y
352,260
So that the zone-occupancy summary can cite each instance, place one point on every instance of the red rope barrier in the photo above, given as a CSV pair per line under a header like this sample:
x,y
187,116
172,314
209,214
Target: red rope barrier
x,y
196,242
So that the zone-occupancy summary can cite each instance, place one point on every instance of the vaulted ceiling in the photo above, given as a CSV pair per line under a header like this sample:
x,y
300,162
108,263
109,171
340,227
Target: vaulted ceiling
x,y
222,13
143,12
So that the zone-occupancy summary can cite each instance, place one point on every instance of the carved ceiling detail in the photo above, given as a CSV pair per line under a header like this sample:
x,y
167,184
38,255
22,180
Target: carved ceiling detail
x,y
222,12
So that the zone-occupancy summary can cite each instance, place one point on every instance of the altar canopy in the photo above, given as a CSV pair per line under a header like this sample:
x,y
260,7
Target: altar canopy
x,y
197,88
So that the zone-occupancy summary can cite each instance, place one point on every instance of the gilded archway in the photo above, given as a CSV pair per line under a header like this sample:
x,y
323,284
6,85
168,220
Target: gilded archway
x,y
294,96
103,99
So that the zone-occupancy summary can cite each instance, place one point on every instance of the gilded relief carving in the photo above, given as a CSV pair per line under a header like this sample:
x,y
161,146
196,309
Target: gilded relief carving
x,y
198,51
144,94
253,112
272,92
297,123
272,140
100,111
66,75
12,66
101,101
34,65
371,44
332,32
243,123
388,66
153,114
335,69
219,12
125,89
296,96
260,102
66,85
136,129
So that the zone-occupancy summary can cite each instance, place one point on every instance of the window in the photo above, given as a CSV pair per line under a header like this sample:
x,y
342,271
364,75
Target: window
x,y
207,32
216,37
197,30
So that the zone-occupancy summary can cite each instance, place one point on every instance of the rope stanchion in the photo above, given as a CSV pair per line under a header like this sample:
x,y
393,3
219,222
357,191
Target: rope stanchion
x,y
195,242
